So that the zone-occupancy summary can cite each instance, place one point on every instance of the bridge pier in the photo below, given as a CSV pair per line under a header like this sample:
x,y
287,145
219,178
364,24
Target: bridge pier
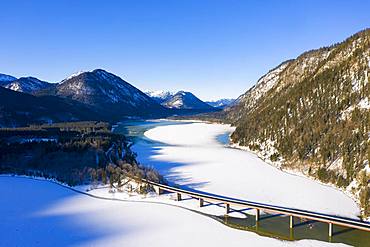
x,y
201,202
227,207
257,214
291,234
158,190
291,221
178,196
330,229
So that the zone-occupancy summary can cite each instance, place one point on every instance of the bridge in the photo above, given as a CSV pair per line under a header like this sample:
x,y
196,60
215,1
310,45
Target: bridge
x,y
331,220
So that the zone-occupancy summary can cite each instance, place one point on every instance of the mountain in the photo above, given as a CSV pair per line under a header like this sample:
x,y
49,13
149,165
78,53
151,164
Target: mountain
x,y
221,103
186,100
107,93
21,109
27,85
312,114
6,78
160,96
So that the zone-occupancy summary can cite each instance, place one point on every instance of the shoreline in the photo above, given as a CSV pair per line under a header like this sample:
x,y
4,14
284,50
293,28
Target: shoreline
x,y
250,235
299,174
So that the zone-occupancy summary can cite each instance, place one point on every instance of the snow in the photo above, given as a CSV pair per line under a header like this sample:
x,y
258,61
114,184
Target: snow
x,y
15,87
364,103
176,104
159,94
191,156
41,213
220,102
26,84
75,74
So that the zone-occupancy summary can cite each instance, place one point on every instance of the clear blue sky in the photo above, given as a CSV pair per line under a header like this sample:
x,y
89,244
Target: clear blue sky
x,y
213,48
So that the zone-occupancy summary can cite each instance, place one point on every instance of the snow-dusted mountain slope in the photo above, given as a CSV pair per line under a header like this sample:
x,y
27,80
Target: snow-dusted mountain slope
x,y
186,100
160,96
221,103
107,92
27,85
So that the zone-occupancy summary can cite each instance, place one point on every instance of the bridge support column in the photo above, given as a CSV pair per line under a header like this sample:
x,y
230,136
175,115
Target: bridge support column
x,y
201,202
158,190
257,214
227,207
330,229
291,221
178,196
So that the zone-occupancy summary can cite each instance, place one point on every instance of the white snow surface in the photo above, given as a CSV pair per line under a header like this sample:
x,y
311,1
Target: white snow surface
x,y
77,73
191,156
159,94
41,213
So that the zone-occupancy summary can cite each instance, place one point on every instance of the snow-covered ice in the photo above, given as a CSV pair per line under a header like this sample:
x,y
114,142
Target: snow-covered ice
x,y
41,213
190,155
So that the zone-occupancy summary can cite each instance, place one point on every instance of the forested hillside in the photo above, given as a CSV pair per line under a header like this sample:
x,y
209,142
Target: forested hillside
x,y
73,153
312,114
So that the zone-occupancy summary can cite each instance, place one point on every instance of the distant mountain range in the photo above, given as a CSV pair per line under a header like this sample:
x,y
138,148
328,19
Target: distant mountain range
x,y
97,95
186,100
26,84
105,92
160,96
221,103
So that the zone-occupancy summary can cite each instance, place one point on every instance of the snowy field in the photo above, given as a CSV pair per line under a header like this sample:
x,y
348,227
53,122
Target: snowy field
x,y
192,156
41,213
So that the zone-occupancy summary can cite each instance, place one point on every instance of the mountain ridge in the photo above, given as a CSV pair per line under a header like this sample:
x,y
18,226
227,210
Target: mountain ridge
x,y
104,91
312,114
186,100
27,85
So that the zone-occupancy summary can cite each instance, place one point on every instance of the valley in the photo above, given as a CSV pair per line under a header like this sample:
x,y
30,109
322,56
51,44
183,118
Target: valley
x,y
213,156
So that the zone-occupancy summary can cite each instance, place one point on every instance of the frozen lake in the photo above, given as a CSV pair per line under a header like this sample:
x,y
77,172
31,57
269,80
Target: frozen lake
x,y
194,155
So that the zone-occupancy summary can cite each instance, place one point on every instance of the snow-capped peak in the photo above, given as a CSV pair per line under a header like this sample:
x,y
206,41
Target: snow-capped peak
x,y
26,84
75,74
221,103
159,93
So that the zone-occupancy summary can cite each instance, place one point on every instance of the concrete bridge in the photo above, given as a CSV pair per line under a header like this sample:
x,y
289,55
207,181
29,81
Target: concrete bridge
x,y
331,220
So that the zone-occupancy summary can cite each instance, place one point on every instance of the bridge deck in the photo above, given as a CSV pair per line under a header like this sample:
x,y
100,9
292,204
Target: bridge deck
x,y
330,219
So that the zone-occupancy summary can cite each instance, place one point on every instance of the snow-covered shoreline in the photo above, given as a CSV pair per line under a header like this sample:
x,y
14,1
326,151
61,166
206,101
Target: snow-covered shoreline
x,y
35,206
191,156
295,172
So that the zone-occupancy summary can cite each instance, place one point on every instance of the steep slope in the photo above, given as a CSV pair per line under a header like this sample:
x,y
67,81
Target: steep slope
x,y
21,109
107,93
312,114
186,100
27,85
